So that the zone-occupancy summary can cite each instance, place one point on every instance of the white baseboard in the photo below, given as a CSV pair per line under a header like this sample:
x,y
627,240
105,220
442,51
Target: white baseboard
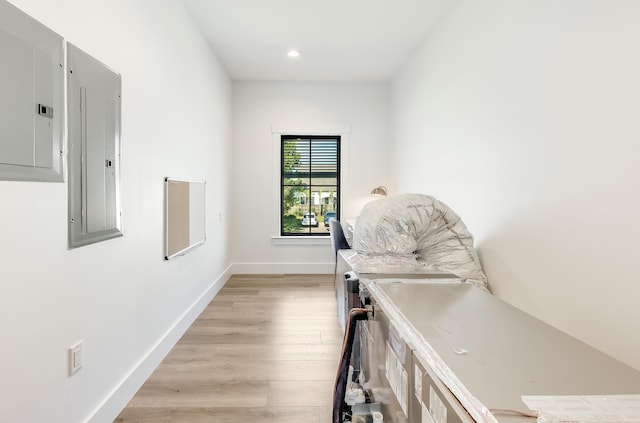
x,y
122,394
282,268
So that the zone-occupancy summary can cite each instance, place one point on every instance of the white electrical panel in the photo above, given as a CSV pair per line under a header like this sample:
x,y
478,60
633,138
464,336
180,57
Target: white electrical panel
x,y
93,97
31,104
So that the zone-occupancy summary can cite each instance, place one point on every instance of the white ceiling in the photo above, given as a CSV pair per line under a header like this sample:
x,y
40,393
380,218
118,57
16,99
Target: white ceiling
x,y
340,40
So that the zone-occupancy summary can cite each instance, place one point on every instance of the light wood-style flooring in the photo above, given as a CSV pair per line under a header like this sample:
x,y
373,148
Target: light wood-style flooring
x,y
266,349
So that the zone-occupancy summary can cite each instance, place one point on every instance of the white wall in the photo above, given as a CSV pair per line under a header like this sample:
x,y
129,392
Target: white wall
x,y
257,106
119,296
523,117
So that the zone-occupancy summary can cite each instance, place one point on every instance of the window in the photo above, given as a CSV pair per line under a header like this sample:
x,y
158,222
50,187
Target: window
x,y
310,184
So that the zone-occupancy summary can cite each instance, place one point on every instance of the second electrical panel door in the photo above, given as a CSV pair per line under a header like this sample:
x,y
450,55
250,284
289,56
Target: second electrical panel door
x,y
94,149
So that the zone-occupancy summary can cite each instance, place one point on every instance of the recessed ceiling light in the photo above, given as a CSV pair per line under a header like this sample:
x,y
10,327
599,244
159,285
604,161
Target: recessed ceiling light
x,y
293,53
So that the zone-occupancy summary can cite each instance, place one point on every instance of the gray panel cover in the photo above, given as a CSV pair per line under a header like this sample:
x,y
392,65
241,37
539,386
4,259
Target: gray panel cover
x,y
94,149
31,75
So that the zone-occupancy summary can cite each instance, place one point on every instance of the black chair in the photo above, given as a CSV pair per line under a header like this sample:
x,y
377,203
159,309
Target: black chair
x,y
338,240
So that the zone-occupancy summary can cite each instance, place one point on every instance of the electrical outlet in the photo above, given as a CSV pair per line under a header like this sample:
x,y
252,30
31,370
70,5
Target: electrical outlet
x,y
76,357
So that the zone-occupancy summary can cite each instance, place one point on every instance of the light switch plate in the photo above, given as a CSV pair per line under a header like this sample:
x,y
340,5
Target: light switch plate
x,y
76,357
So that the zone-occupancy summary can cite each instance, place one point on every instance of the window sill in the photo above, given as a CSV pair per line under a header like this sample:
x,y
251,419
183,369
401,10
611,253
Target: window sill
x,y
301,240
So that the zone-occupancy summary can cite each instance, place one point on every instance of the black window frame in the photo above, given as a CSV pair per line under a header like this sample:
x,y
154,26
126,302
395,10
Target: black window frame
x,y
310,205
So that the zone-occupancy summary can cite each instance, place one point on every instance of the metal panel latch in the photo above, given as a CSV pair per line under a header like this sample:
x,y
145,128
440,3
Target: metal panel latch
x,y
45,111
